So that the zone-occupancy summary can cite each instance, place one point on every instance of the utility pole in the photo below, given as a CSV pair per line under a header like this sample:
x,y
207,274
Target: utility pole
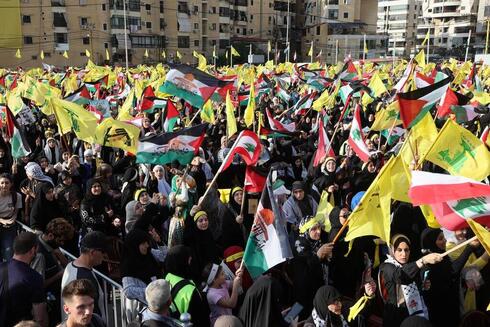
x,y
287,34
488,33
125,35
467,46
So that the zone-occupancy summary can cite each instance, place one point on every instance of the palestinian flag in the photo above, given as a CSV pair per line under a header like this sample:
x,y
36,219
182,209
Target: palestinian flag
x,y
248,146
405,77
304,103
80,96
164,148
267,244
277,126
415,104
324,148
450,98
170,118
281,92
464,113
356,136
18,139
453,199
255,178
191,84
348,72
149,101
422,80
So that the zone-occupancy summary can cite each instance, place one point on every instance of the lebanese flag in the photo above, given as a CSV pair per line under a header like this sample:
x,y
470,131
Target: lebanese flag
x,y
277,126
453,199
415,104
449,99
248,146
356,136
323,145
255,179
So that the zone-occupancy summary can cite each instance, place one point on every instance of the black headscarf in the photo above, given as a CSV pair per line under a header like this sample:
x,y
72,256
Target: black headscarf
x,y
429,237
416,321
177,261
137,265
261,304
43,211
97,203
334,222
325,296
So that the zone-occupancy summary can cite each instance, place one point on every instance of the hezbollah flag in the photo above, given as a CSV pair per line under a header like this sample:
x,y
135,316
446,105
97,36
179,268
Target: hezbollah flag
x,y
71,116
164,148
18,139
190,84
267,244
117,134
372,214
207,112
249,111
415,104
460,152
388,117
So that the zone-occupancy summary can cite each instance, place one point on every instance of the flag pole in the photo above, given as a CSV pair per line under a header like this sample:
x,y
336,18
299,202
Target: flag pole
x,y
389,134
428,45
488,33
364,50
467,46
231,58
336,51
195,115
312,50
459,246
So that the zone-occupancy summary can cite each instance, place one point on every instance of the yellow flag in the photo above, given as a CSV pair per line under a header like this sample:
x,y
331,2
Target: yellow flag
x,y
324,208
70,116
385,118
230,116
460,152
125,111
377,85
42,55
207,112
372,214
14,101
178,55
107,56
250,111
146,53
87,53
366,50
422,136
18,55
117,134
358,306
427,36
400,180
310,52
429,216
202,63
65,54
234,52
481,233
481,97
420,58
164,54
269,46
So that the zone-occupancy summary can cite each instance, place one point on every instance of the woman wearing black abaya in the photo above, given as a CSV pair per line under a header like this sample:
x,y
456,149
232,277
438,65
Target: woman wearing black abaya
x,y
330,310
232,231
442,297
199,239
45,207
261,306
138,266
96,209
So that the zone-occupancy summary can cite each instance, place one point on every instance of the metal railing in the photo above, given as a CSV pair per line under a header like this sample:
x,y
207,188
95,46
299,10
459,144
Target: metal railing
x,y
115,310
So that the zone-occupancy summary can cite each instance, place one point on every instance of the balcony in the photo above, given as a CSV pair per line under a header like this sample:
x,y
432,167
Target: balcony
x,y
61,47
57,3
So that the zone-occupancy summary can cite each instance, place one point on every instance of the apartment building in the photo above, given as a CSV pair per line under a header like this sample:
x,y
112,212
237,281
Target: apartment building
x,y
449,23
481,25
398,19
337,29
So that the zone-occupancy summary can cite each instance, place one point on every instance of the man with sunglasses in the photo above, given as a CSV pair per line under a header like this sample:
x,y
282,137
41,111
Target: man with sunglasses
x,y
92,252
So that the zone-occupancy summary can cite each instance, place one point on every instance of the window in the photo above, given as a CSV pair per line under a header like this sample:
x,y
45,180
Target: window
x,y
27,39
183,42
346,15
83,21
182,7
161,7
196,26
26,19
148,24
196,43
162,23
59,20
244,31
147,7
104,27
103,7
251,31
318,30
34,57
61,37
83,2
251,17
196,9
86,40
213,10
224,12
333,13
106,45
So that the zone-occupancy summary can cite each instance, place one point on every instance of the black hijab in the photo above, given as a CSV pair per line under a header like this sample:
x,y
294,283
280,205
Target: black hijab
x,y
325,296
429,237
261,304
97,203
43,210
137,265
335,224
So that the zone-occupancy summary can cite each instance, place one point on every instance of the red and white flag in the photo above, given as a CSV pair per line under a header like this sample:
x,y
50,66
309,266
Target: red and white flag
x,y
248,146
453,199
324,146
356,136
277,126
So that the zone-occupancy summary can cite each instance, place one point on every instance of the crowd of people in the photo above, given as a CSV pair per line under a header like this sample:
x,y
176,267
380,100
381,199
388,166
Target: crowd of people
x,y
175,252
